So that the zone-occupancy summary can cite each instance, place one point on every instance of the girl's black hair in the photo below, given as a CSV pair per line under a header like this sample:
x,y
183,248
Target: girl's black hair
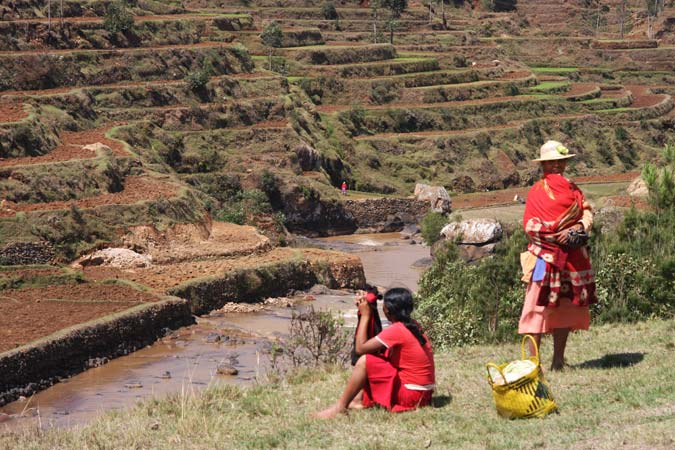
x,y
399,303
374,290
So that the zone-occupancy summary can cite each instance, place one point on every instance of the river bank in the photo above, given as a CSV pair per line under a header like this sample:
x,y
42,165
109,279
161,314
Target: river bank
x,y
189,358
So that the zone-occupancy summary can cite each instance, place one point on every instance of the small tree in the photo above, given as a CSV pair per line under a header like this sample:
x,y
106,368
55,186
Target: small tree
x,y
375,9
600,14
654,7
271,38
328,11
117,18
661,181
49,15
622,17
396,8
432,224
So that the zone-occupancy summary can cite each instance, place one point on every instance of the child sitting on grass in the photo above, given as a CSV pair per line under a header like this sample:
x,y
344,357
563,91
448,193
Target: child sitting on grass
x,y
401,379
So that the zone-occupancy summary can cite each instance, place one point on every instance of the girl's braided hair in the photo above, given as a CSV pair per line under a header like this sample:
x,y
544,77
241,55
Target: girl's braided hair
x,y
399,303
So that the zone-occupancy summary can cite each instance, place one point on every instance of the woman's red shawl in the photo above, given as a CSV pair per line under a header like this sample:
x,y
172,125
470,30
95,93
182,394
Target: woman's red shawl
x,y
553,204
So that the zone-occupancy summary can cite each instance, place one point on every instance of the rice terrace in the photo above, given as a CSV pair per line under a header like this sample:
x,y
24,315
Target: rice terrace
x,y
192,192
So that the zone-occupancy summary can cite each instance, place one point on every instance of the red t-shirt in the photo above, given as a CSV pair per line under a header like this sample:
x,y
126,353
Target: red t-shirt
x,y
414,362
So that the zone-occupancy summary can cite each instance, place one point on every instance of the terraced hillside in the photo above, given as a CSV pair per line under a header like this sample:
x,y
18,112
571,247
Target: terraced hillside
x,y
165,126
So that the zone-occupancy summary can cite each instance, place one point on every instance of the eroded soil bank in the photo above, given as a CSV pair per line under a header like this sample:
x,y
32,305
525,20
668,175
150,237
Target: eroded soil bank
x,y
188,359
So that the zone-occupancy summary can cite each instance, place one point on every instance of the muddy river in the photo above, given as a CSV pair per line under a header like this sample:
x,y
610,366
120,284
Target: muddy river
x,y
188,359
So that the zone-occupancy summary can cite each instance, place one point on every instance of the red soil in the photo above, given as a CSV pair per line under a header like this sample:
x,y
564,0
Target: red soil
x,y
514,75
613,93
29,273
626,201
12,112
643,98
136,189
34,313
72,147
577,89
615,178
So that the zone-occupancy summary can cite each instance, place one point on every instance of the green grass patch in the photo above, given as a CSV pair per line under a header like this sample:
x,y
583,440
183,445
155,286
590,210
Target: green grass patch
x,y
615,110
619,391
550,85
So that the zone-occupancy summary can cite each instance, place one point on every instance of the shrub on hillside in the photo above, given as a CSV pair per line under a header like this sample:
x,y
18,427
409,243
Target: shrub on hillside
x,y
383,92
461,304
197,80
269,184
635,268
355,118
244,207
328,11
431,226
117,18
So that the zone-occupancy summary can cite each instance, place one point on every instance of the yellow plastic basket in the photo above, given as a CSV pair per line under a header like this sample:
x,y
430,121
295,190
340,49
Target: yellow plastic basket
x,y
529,395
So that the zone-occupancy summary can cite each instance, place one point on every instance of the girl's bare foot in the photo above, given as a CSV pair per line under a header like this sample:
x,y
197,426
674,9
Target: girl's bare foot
x,y
329,413
356,404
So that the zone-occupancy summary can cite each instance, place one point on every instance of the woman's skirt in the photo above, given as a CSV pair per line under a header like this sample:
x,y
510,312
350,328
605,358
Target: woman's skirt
x,y
384,388
541,319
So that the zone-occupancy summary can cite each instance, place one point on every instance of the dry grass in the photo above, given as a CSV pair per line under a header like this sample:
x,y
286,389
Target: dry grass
x,y
619,391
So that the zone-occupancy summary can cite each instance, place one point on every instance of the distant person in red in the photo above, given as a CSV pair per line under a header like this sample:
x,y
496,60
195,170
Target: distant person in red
x,y
344,188
401,379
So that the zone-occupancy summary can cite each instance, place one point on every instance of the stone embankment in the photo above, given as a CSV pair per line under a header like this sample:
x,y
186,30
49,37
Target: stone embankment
x,y
28,369
26,253
382,215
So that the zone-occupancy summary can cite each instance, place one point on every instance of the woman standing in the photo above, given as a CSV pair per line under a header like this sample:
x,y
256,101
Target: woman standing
x,y
557,267
400,380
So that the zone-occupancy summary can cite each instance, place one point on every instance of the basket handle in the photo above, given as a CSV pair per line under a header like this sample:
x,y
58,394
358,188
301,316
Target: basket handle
x,y
534,346
487,367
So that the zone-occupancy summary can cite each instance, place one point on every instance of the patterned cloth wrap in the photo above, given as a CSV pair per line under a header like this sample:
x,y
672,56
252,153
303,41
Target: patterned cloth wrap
x,y
555,204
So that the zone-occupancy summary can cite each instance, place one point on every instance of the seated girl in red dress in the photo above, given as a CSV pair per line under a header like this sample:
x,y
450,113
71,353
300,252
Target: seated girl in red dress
x,y
403,377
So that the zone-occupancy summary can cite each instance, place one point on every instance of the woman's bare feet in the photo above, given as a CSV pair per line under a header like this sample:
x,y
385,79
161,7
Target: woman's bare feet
x,y
329,413
558,366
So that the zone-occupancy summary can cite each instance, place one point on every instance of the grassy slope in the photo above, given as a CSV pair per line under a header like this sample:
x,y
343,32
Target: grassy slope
x,y
601,407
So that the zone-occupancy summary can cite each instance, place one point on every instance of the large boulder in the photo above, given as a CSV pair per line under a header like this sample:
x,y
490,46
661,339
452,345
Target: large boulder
x,y
437,196
475,238
122,258
638,188
473,231
97,147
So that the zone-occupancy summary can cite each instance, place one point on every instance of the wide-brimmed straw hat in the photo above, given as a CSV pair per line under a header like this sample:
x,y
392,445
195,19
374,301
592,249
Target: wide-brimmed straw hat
x,y
552,151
